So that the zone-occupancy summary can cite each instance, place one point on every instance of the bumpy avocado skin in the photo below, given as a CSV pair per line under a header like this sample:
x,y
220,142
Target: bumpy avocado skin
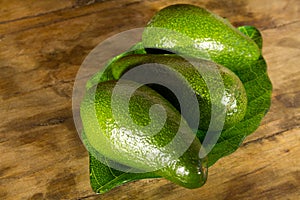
x,y
229,97
128,146
194,31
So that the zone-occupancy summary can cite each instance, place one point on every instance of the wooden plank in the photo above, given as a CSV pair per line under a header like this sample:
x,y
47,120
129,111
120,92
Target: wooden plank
x,y
42,154
107,9
13,10
241,12
250,173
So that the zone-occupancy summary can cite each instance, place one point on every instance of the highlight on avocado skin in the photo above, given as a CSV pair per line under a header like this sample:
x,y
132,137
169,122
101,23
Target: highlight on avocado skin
x,y
213,91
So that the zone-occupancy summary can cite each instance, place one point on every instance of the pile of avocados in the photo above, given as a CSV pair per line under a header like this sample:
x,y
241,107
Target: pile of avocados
x,y
194,45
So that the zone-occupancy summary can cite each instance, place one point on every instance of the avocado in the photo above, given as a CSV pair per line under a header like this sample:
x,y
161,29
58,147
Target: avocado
x,y
194,31
172,151
214,85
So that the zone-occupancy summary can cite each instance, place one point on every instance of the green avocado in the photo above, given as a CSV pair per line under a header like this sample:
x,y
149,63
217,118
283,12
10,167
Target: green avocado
x,y
214,85
135,143
193,31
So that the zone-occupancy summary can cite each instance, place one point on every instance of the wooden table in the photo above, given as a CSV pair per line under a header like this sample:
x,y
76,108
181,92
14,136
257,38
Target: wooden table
x,y
42,45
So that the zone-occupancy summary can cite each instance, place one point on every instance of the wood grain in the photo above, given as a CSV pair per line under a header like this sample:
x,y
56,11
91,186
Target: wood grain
x,y
42,45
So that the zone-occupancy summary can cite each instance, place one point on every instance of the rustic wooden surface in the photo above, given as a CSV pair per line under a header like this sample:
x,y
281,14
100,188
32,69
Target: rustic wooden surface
x,y
42,45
